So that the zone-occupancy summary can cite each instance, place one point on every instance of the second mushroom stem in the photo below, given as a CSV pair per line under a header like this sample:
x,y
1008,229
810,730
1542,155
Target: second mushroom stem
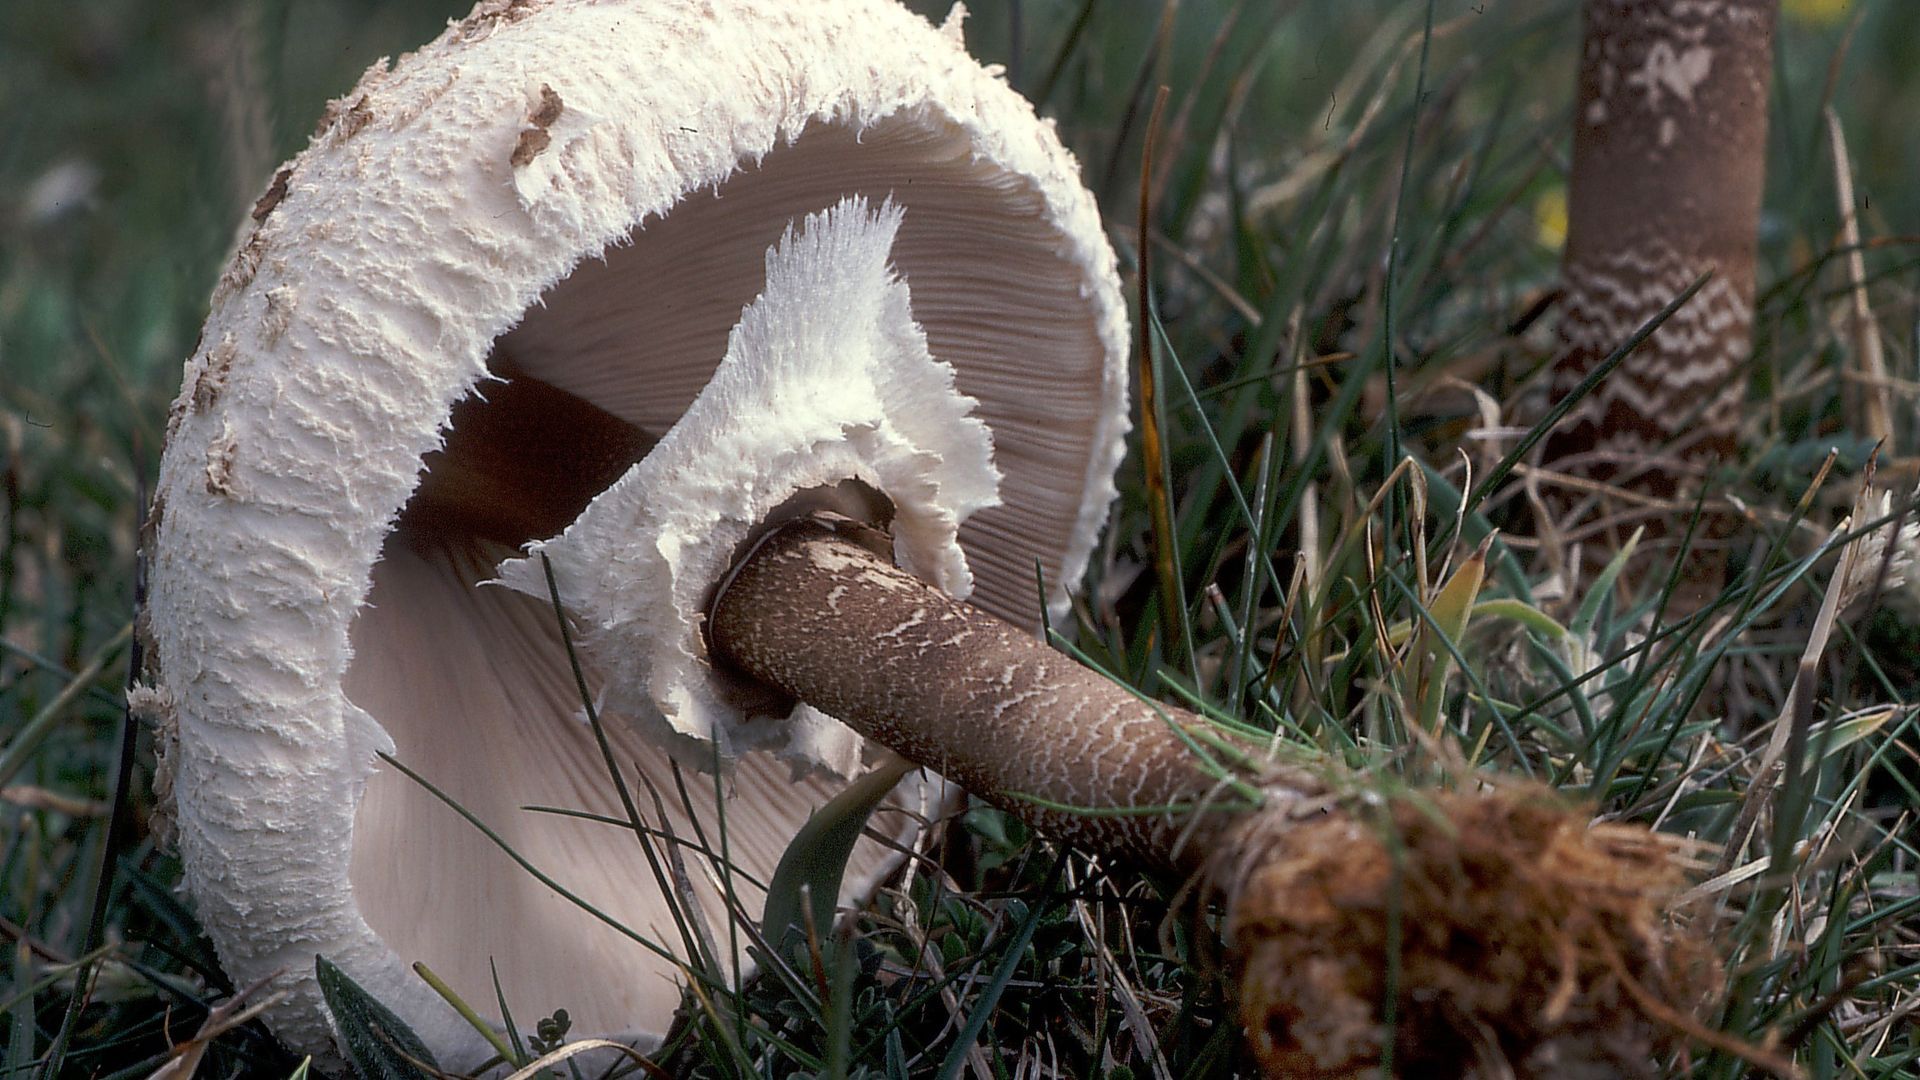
x,y
816,611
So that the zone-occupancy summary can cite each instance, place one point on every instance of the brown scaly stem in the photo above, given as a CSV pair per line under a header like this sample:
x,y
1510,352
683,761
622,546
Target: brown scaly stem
x,y
1520,936
1669,158
818,612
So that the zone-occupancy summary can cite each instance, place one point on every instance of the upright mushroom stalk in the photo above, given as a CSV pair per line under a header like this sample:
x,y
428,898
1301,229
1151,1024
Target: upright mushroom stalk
x,y
1669,152
1523,936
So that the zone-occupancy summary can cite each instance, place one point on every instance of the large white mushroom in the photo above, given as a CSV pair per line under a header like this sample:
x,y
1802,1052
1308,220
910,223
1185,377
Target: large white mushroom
x,y
579,199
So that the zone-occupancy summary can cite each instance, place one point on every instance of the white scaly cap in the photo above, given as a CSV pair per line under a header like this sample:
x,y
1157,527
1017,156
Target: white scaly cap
x,y
588,189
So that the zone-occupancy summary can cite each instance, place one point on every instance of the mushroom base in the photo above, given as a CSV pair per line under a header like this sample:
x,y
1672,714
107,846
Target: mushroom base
x,y
1495,934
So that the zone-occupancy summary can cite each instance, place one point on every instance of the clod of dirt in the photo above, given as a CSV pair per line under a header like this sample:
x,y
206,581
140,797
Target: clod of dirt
x,y
1477,935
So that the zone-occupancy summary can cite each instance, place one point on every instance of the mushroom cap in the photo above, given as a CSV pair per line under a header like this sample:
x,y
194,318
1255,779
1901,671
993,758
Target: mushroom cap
x,y
580,194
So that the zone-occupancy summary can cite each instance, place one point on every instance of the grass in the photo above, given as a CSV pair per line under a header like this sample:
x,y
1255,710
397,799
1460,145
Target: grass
x,y
1351,222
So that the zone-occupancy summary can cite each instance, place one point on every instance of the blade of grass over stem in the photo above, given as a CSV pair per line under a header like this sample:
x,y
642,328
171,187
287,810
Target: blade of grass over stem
x,y
1492,481
1155,810
1190,737
1155,467
695,945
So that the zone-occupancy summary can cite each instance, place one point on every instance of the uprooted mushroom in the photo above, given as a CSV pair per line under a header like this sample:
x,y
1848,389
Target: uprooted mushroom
x,y
513,262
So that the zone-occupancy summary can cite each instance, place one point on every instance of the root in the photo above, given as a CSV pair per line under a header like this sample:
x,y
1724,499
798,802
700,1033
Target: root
x,y
1493,934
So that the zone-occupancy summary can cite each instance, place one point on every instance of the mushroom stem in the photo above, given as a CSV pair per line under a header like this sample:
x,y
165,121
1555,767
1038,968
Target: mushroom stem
x,y
815,611
1526,941
1669,156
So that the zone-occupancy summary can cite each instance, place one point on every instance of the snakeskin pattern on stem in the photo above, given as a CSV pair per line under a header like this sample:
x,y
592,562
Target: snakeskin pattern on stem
x,y
1668,166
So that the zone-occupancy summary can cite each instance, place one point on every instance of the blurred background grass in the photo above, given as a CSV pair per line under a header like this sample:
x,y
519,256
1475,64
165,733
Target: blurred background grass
x,y
137,134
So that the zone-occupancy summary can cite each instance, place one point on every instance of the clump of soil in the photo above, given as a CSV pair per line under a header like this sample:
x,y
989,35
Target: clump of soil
x,y
1477,935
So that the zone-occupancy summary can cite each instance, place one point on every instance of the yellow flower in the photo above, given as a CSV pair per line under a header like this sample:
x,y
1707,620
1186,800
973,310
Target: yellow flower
x,y
1550,218
1818,12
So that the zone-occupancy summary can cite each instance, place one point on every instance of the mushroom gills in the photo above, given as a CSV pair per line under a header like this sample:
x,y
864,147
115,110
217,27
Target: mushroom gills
x,y
474,686
639,329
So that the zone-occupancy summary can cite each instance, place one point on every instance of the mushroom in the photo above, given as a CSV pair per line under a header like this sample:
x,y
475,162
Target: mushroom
x,y
1502,900
502,268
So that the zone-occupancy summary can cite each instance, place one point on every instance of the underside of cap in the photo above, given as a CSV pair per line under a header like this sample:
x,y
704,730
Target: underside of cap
x,y
826,380
580,195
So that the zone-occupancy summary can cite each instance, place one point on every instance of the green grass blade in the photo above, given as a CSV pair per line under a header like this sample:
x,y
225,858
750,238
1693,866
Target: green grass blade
x,y
983,1006
813,864
380,1044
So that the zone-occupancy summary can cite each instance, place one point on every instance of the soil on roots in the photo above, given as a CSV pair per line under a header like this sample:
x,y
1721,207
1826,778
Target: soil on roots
x,y
1492,934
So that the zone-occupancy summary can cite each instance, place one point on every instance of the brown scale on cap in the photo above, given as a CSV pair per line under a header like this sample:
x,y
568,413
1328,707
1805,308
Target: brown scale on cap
x,y
535,137
275,192
1670,132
